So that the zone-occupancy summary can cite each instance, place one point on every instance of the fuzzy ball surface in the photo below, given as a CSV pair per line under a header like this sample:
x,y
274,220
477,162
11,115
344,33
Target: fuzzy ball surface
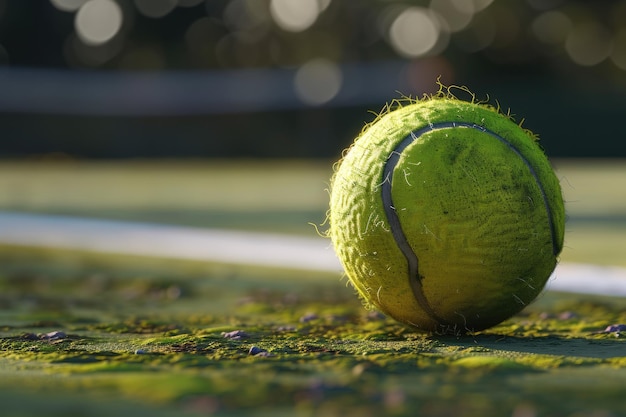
x,y
446,215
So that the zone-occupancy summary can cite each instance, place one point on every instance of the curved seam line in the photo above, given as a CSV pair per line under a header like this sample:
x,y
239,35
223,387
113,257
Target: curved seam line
x,y
415,279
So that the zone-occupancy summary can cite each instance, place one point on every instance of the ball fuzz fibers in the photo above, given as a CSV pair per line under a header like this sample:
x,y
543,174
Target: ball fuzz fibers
x,y
446,215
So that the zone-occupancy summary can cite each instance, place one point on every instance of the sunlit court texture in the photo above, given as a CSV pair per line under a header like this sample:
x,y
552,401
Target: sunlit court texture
x,y
166,168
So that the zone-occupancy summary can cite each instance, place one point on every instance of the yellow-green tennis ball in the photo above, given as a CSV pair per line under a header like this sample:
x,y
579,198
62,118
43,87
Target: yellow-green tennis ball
x,y
446,215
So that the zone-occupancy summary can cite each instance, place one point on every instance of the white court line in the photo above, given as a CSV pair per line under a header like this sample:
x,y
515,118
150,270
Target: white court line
x,y
157,240
237,247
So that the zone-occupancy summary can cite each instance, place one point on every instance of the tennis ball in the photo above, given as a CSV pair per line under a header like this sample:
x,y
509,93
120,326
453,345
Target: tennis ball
x,y
446,215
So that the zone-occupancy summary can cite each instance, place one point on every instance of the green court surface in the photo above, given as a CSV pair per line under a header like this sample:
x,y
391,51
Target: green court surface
x,y
278,196
98,335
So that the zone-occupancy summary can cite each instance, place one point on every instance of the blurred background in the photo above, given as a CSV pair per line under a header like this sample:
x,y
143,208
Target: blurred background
x,y
123,118
210,118
296,79
230,113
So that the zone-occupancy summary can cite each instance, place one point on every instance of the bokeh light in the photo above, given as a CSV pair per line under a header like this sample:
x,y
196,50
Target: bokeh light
x,y
588,43
78,54
573,36
213,57
414,32
98,21
295,16
249,18
318,81
551,27
457,14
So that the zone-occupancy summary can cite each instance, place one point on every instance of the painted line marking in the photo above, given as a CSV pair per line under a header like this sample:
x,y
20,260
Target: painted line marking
x,y
237,247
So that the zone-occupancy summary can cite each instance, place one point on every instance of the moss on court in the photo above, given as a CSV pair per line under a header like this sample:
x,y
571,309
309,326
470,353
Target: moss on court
x,y
94,335
192,339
